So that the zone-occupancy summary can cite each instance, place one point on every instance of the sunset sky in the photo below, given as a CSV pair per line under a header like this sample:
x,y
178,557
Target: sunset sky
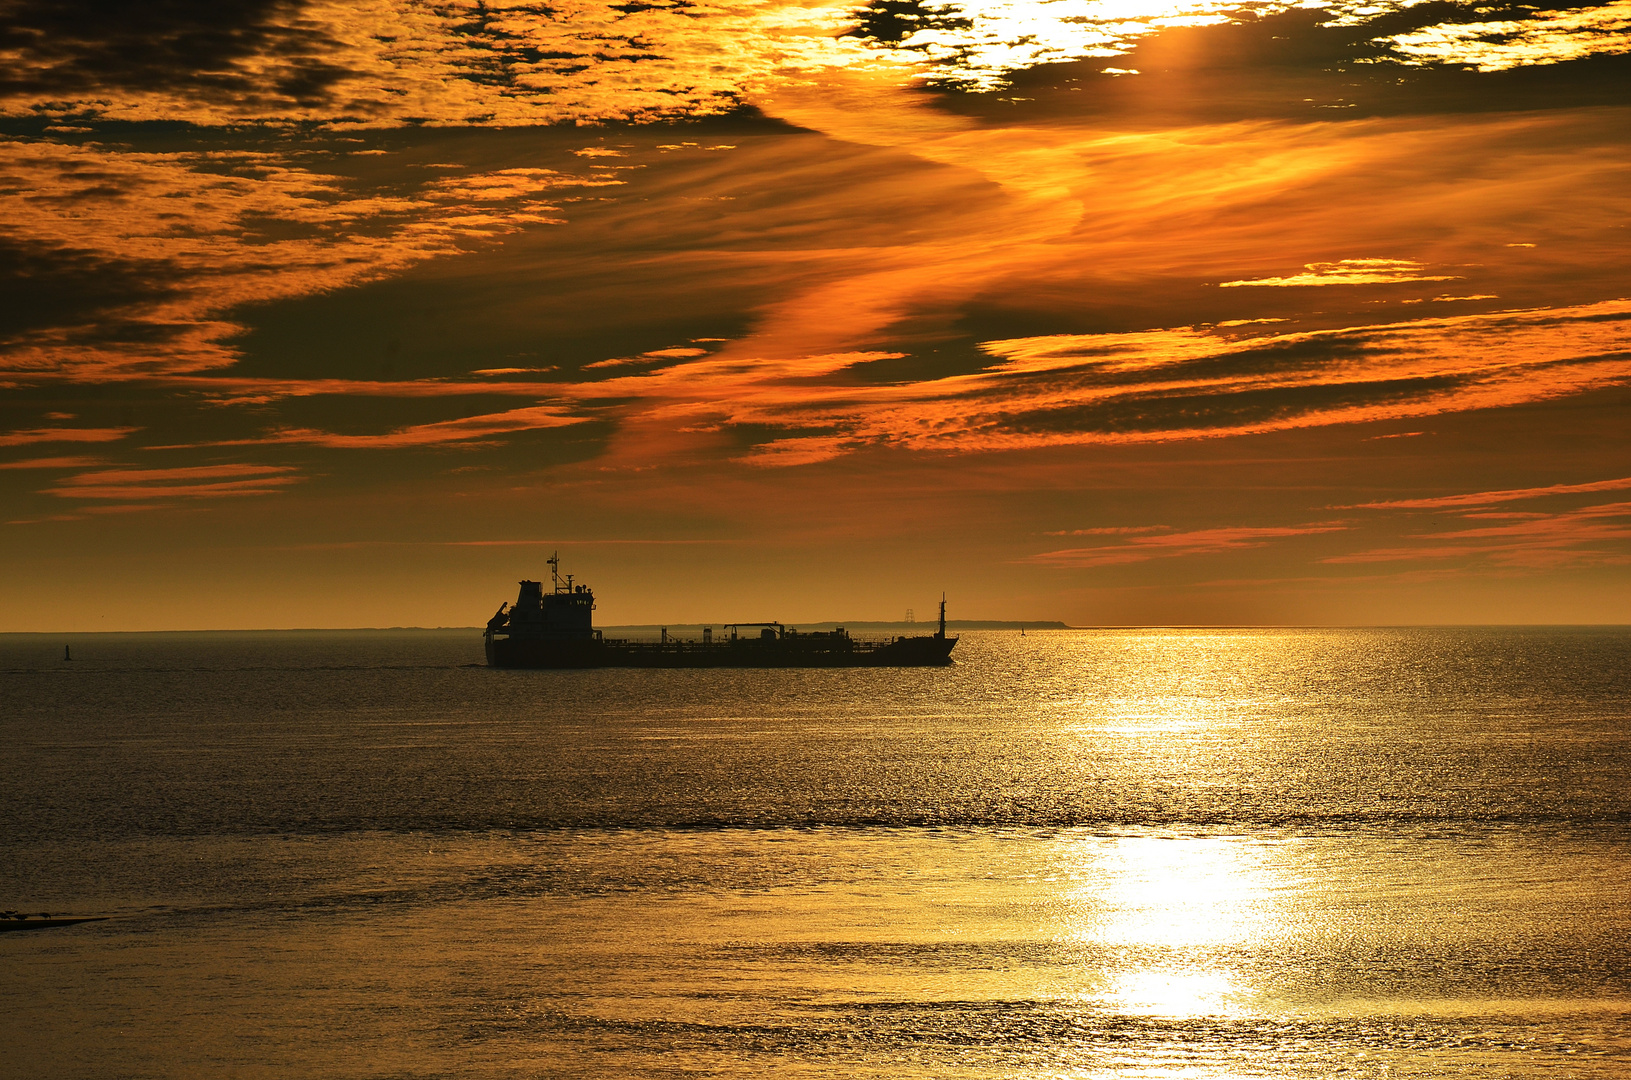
x,y
349,314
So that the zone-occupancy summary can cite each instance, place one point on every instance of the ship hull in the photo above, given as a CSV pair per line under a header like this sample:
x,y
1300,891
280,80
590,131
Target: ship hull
x,y
522,652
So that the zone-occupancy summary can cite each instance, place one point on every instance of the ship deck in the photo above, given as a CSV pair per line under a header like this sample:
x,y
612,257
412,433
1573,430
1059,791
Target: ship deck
x,y
803,650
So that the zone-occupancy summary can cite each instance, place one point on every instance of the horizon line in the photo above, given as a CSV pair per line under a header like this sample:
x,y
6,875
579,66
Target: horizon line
x,y
962,624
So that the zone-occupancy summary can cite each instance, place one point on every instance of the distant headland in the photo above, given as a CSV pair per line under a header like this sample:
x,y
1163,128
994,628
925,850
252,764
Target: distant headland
x,y
860,625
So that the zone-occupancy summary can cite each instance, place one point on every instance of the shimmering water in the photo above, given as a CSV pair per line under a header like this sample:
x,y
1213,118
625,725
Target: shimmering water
x,y
1084,854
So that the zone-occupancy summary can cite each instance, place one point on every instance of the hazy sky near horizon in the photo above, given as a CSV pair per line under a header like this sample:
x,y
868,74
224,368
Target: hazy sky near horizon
x,y
349,314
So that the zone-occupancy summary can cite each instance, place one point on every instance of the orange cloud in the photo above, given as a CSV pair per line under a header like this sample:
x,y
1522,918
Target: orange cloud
x,y
1485,498
1515,538
189,482
1354,272
600,540
52,463
1532,542
434,434
236,390
1077,218
1089,217
780,453
1161,385
1170,545
377,62
45,435
189,228
1545,37
1112,530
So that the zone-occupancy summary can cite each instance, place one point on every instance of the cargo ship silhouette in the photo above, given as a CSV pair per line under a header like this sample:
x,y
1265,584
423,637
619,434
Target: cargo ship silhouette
x,y
555,629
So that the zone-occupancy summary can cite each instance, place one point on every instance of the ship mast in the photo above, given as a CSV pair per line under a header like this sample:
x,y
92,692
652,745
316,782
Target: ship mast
x,y
942,631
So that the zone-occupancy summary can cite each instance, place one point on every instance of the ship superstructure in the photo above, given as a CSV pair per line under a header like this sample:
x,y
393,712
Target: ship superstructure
x,y
555,629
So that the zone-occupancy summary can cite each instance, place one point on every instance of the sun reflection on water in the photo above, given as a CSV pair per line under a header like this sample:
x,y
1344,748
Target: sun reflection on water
x,y
1175,893
1164,920
1175,993
1180,673
1168,915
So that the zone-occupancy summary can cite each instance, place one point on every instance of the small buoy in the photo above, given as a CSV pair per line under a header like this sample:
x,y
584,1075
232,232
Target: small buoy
x,y
67,654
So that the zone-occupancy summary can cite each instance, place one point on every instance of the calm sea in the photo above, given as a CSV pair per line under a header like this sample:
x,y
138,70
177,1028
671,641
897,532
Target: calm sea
x,y
1175,854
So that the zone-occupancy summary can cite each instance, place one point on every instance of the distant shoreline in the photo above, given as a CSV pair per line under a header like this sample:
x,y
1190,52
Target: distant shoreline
x,y
862,624
859,625
654,628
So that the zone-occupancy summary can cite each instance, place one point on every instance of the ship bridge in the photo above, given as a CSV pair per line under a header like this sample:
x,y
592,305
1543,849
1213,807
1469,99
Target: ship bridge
x,y
566,611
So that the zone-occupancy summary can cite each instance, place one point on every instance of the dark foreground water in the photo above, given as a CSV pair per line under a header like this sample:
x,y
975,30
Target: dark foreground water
x,y
1150,854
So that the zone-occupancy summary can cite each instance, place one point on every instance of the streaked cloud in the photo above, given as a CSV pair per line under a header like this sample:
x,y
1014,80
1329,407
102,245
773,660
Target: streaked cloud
x,y
71,435
796,385
305,247
1584,535
230,390
78,462
806,450
979,44
590,540
1175,544
1543,37
1112,530
1185,383
205,234
376,62
1487,498
462,429
1352,272
1519,539
1058,390
187,482
622,361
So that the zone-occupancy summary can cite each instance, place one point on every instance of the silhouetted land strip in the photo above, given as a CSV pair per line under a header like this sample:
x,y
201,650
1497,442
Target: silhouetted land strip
x,y
856,624
12,922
